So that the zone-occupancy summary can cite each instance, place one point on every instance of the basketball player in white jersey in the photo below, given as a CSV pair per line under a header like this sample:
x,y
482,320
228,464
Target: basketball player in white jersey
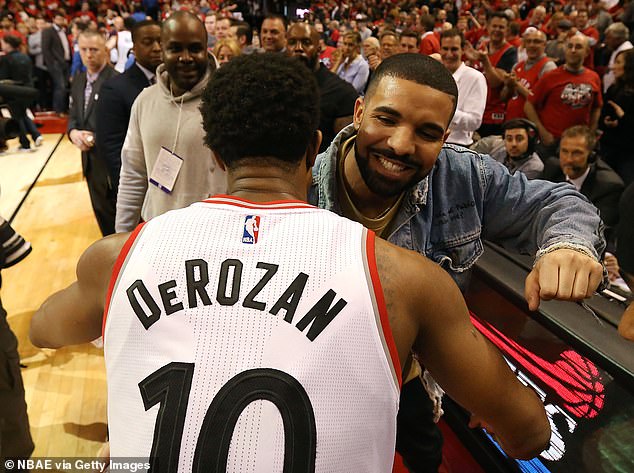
x,y
254,332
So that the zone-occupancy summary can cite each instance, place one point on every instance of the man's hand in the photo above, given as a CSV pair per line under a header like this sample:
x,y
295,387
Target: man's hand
x,y
373,61
565,275
547,138
83,139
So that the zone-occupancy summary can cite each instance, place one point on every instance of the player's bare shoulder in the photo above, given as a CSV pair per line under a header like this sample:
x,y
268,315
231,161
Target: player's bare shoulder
x,y
96,263
411,286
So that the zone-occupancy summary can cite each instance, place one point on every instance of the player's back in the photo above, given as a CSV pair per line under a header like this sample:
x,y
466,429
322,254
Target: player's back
x,y
241,336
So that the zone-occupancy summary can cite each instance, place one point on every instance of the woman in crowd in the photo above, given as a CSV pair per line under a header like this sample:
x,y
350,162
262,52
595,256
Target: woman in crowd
x,y
617,118
225,50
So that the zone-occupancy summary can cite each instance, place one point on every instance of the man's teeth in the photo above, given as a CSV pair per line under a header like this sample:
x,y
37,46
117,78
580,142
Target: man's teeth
x,y
390,166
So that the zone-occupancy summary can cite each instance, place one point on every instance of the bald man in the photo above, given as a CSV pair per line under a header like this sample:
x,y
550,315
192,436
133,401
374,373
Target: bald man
x,y
336,96
164,163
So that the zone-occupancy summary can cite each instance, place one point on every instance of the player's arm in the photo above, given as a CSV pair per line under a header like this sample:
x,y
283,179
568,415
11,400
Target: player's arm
x,y
75,314
422,299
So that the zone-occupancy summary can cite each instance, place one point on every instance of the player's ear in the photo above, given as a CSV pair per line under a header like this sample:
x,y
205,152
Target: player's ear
x,y
219,161
313,148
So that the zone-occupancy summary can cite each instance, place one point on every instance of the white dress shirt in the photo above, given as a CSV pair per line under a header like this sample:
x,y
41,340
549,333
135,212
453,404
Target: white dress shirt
x,y
472,97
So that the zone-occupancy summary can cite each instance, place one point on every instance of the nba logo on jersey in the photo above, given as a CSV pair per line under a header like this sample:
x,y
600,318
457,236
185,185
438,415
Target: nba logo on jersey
x,y
251,229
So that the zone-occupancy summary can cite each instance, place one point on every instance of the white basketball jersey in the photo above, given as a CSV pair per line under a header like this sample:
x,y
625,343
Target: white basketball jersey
x,y
249,337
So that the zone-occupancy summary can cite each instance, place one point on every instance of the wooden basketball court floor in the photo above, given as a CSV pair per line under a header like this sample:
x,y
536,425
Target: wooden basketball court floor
x,y
48,199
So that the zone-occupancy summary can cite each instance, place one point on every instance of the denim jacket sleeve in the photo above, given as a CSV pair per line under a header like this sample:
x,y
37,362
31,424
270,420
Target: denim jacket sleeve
x,y
532,216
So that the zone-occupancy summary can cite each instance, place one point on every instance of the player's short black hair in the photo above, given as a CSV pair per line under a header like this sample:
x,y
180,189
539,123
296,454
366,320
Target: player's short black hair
x,y
260,106
418,68
141,24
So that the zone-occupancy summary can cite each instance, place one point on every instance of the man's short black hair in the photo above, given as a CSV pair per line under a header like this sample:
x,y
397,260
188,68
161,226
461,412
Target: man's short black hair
x,y
244,29
141,24
418,68
411,34
428,22
450,33
498,14
260,106
129,22
277,16
13,40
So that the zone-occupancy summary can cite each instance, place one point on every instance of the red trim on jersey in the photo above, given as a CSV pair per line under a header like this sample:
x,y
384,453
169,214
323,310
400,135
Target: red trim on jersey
x,y
247,204
115,272
380,302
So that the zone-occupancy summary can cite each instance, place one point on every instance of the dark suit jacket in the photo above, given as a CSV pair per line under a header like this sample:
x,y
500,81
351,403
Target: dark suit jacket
x,y
53,50
113,115
86,120
603,187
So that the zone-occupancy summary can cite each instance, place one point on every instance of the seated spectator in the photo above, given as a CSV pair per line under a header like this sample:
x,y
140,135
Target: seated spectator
x,y
370,46
515,148
617,118
389,43
578,164
351,66
225,50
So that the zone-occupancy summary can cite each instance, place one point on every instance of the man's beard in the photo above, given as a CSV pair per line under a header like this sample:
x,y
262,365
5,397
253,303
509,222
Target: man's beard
x,y
309,62
377,183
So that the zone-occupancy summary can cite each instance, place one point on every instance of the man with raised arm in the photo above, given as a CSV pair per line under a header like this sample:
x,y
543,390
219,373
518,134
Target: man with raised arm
x,y
391,171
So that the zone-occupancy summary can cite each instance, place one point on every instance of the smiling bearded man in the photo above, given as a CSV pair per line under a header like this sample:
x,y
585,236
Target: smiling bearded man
x,y
391,171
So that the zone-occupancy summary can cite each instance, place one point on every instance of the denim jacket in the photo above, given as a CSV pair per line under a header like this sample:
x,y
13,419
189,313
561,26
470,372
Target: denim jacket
x,y
468,197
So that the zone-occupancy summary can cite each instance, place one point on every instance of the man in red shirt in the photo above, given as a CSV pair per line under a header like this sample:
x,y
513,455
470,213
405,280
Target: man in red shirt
x,y
570,95
429,43
496,60
525,74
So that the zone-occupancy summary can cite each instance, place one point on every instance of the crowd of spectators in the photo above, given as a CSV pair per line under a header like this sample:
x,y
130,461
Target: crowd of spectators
x,y
528,72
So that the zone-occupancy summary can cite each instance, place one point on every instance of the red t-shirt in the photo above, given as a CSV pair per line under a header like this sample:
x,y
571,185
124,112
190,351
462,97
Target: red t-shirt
x,y
563,99
429,44
528,78
326,56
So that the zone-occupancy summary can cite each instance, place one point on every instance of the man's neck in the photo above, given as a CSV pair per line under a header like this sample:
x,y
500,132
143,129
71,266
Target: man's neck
x,y
574,69
367,202
176,90
96,71
532,61
267,184
457,67
495,45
